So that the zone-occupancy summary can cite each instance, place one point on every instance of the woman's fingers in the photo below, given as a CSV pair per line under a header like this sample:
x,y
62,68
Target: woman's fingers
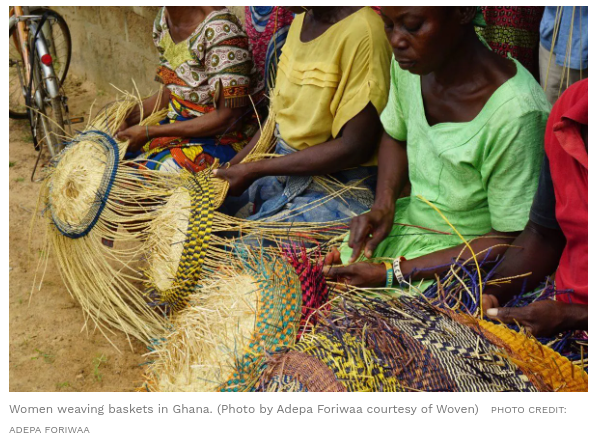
x,y
490,302
359,230
220,173
513,315
506,315
332,258
122,127
338,273
373,241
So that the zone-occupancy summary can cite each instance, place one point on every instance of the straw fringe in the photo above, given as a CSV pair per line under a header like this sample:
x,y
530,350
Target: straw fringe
x,y
107,282
166,233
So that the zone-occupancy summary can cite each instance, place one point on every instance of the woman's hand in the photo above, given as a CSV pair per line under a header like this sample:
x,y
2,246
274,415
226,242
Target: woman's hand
x,y
544,318
362,274
125,125
135,135
238,176
368,230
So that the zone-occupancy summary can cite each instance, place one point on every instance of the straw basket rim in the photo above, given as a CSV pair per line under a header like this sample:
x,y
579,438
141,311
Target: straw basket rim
x,y
96,183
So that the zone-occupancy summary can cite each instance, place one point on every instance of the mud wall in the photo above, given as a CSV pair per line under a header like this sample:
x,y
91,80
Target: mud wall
x,y
113,45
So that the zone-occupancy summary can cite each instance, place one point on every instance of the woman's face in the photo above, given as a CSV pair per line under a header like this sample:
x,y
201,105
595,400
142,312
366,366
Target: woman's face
x,y
422,38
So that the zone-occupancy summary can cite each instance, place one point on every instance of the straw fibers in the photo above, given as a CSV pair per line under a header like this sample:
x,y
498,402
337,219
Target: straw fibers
x,y
220,342
395,342
89,196
131,243
199,354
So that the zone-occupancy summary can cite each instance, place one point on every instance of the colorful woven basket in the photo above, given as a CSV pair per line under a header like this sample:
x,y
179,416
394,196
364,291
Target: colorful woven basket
x,y
392,344
190,239
222,340
298,372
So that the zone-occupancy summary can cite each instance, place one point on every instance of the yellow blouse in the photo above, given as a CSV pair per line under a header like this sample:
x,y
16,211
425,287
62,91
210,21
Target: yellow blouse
x,y
324,83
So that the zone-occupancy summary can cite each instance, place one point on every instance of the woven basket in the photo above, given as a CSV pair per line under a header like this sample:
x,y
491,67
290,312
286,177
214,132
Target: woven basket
x,y
388,343
211,348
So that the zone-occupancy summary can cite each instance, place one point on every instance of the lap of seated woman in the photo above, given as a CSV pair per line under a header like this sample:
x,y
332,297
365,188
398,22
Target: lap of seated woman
x,y
208,74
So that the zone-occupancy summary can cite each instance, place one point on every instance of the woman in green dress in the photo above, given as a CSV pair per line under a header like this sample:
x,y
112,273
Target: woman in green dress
x,y
466,127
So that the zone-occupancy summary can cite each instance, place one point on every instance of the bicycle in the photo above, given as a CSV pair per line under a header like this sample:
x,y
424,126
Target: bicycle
x,y
39,58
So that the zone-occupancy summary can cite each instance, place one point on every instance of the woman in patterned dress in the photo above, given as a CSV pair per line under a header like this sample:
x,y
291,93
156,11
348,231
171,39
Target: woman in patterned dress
x,y
208,71
267,28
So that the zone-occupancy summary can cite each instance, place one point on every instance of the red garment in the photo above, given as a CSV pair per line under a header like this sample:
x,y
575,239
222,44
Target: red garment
x,y
569,166
514,30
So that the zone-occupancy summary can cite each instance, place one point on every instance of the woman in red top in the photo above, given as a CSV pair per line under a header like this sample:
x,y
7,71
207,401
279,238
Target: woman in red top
x,y
557,233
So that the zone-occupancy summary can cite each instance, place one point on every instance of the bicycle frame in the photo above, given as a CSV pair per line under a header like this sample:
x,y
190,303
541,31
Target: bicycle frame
x,y
28,27
41,48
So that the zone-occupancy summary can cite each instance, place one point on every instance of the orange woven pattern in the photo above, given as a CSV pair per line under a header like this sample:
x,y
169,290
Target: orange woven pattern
x,y
556,372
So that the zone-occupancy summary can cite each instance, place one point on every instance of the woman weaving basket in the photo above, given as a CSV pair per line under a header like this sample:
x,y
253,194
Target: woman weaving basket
x,y
466,127
332,83
207,68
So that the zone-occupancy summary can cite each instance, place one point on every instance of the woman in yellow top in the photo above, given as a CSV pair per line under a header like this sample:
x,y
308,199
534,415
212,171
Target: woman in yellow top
x,y
331,86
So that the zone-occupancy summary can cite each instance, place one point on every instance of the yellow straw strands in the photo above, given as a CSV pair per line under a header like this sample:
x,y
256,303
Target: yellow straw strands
x,y
95,209
131,243
221,341
199,354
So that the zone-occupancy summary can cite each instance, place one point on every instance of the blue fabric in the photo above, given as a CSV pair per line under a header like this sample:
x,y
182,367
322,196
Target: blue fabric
x,y
272,55
289,198
260,16
579,52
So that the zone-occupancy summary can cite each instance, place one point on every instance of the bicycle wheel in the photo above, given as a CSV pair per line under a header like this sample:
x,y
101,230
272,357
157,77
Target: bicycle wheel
x,y
59,43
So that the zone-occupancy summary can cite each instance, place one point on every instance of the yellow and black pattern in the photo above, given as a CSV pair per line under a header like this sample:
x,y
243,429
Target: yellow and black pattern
x,y
355,366
196,243
405,344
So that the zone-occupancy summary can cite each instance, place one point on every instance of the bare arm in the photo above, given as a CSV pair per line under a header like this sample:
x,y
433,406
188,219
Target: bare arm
x,y
426,267
538,250
213,123
393,172
369,229
355,145
367,274
216,122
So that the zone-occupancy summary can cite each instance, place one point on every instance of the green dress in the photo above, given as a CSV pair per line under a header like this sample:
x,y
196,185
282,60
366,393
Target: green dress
x,y
480,174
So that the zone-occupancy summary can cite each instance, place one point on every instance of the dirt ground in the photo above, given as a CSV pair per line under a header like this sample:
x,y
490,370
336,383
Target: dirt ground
x,y
49,350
